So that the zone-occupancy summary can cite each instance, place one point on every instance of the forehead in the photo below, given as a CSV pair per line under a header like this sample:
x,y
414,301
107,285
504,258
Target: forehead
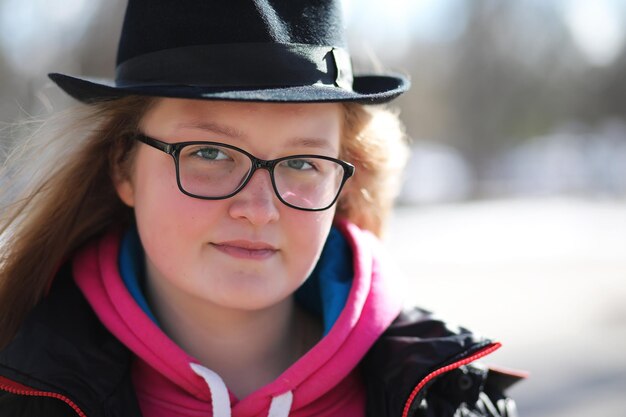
x,y
241,119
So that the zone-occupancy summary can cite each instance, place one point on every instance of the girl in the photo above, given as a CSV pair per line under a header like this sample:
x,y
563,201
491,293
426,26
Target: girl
x,y
202,242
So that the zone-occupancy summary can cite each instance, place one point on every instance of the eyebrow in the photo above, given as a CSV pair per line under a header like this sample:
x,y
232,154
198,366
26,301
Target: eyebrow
x,y
306,142
311,142
213,127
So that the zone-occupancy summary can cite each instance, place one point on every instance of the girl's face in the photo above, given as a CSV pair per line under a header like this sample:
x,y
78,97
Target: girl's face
x,y
246,252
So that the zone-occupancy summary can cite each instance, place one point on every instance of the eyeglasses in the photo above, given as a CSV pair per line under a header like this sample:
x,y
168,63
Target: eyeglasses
x,y
215,171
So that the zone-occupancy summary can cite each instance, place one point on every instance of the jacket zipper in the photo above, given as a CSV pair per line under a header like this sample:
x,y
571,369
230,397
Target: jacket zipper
x,y
481,353
19,389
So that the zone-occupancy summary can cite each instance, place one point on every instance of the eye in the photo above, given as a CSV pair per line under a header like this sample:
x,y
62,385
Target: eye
x,y
300,164
209,153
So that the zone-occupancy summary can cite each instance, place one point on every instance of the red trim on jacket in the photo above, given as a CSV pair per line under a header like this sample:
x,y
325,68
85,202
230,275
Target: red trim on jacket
x,y
16,388
481,353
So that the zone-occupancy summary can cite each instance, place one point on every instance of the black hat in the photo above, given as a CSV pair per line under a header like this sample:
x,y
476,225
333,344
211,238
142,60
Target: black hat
x,y
250,50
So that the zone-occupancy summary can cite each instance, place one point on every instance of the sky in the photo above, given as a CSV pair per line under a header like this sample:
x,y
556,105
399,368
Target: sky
x,y
597,26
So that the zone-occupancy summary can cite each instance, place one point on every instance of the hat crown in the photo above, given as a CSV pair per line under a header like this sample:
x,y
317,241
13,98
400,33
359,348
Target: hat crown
x,y
250,50
155,25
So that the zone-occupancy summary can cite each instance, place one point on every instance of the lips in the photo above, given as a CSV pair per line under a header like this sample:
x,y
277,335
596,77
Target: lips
x,y
244,249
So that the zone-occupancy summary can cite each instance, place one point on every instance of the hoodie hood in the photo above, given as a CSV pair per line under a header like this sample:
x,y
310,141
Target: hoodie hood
x,y
322,382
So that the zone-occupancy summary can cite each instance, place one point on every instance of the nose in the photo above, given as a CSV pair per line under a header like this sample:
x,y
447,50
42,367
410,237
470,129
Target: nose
x,y
256,202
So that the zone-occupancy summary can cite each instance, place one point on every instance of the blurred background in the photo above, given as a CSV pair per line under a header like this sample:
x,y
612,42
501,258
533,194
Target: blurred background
x,y
512,217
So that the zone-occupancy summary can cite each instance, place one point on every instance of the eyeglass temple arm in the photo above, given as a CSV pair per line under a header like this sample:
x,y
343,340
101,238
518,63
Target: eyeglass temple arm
x,y
155,143
349,168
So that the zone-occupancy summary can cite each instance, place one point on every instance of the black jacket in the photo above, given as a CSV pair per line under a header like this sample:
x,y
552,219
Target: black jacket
x,y
63,362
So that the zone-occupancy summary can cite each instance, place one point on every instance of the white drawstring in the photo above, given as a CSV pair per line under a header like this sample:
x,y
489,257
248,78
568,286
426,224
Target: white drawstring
x,y
220,399
281,405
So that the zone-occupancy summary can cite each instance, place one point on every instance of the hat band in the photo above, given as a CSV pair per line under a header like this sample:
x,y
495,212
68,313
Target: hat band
x,y
240,66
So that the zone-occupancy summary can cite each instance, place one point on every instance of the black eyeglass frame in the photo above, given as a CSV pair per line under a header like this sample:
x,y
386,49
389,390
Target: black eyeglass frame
x,y
173,149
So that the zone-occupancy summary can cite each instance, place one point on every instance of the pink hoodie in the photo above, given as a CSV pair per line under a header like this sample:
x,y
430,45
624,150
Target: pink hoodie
x,y
169,382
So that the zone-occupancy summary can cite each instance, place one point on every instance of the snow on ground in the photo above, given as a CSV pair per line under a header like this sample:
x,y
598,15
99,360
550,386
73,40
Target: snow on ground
x,y
547,278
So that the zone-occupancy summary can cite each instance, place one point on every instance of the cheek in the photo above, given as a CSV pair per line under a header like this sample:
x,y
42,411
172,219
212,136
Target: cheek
x,y
156,191
173,217
307,233
168,221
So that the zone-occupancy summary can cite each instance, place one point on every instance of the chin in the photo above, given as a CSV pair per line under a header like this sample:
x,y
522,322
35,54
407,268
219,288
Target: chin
x,y
251,298
251,303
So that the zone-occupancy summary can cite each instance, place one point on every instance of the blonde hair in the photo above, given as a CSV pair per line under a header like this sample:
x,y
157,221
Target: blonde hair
x,y
375,143
57,189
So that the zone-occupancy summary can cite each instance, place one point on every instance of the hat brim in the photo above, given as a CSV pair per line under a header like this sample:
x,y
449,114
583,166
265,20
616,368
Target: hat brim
x,y
367,89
